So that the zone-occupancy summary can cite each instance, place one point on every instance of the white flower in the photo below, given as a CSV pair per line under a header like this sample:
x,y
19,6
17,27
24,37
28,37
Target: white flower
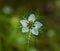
x,y
31,25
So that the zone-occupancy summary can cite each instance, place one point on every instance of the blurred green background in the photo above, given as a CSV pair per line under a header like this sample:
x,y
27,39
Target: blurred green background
x,y
11,36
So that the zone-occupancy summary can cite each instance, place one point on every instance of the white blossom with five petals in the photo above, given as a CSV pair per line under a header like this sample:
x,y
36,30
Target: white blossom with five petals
x,y
31,25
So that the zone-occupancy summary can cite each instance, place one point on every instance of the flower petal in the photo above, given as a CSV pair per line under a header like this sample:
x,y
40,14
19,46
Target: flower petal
x,y
31,17
23,22
34,31
25,29
38,24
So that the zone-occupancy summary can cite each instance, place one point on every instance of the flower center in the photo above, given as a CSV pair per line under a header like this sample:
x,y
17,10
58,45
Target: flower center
x,y
30,25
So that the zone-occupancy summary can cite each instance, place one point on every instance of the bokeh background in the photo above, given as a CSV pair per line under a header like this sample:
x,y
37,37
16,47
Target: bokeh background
x,y
11,36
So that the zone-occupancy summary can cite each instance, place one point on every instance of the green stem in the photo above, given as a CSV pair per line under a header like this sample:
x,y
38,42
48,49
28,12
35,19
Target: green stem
x,y
29,40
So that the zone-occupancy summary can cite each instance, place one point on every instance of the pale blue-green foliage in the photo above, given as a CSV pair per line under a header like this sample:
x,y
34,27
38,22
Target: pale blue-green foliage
x,y
51,33
57,3
7,10
33,49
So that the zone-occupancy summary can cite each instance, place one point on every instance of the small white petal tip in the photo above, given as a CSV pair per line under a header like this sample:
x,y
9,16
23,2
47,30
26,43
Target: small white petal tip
x,y
38,25
25,29
34,31
24,23
31,17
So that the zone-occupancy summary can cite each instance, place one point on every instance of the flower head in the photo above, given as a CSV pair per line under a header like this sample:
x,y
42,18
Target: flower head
x,y
31,25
